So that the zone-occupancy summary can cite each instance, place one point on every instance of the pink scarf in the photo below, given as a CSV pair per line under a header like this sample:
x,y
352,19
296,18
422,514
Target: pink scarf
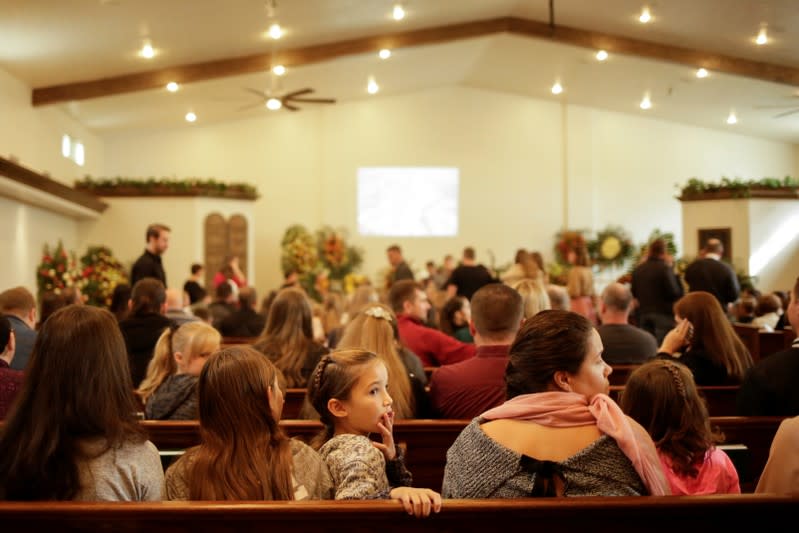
x,y
570,409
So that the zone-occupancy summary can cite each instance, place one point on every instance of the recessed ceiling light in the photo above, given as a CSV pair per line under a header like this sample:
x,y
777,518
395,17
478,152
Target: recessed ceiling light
x,y
732,119
172,87
645,16
190,116
601,55
147,51
398,13
274,104
385,53
275,31
702,73
557,88
279,70
762,36
646,103
372,87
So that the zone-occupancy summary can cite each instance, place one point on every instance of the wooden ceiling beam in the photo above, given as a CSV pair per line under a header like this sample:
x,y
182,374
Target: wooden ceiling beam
x,y
155,79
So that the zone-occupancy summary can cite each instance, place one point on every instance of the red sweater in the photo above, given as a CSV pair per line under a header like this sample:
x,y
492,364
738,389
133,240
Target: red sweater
x,y
432,346
10,385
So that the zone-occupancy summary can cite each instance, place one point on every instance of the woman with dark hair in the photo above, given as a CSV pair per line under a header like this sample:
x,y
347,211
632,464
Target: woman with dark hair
x,y
558,434
244,454
455,317
119,301
73,434
287,338
708,344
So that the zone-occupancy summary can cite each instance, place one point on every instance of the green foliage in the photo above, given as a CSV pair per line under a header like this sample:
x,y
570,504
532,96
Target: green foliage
x,y
208,187
57,270
612,247
739,187
101,274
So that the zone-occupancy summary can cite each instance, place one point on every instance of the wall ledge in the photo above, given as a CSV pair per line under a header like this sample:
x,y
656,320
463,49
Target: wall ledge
x,y
27,186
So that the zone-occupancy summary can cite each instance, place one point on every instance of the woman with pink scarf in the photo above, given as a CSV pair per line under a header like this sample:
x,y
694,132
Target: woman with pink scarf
x,y
558,434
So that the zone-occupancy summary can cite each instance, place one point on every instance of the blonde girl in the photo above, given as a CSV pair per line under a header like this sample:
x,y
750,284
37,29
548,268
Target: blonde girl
x,y
535,296
661,395
375,330
169,391
244,454
349,389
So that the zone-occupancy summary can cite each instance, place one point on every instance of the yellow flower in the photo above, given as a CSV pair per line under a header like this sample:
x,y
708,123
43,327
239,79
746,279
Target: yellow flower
x,y
610,248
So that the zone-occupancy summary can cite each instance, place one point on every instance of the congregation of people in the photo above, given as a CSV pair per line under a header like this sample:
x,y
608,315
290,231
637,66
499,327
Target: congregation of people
x,y
525,360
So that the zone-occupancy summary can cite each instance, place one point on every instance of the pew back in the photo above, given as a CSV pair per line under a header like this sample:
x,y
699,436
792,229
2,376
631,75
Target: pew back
x,y
565,515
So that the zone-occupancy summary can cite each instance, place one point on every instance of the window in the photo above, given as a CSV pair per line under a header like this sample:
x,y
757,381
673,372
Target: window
x,y
72,149
408,201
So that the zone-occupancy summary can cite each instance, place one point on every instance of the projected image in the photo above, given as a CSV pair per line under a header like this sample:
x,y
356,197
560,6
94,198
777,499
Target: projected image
x,y
408,201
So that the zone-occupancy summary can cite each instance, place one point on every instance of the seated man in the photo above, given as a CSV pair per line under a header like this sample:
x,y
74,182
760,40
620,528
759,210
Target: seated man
x,y
19,307
624,344
223,306
770,387
433,347
176,303
246,321
10,380
471,387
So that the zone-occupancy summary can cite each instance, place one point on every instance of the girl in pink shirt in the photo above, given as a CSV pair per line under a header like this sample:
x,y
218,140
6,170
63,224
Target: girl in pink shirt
x,y
661,396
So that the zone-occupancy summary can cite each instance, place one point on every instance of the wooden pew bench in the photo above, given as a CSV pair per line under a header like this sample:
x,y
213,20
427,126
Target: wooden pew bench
x,y
426,442
720,398
665,514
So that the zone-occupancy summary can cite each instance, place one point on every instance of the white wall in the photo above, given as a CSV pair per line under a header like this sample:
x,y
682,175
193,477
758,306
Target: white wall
x,y
527,167
33,137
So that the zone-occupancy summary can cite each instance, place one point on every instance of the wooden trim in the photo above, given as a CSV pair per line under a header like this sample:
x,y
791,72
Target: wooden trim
x,y
187,73
731,194
28,177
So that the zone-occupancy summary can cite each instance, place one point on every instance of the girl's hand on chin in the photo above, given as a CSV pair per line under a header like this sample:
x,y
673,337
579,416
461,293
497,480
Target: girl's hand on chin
x,y
417,502
387,446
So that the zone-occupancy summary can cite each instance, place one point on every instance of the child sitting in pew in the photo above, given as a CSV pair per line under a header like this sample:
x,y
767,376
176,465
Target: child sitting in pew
x,y
169,391
349,391
661,395
244,454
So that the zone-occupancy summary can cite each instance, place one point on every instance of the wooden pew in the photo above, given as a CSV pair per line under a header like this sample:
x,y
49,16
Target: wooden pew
x,y
750,336
566,515
232,341
720,398
621,373
426,441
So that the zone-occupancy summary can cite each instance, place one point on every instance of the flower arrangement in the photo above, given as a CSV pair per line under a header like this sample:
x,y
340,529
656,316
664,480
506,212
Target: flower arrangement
x,y
58,270
298,250
101,274
612,247
566,241
334,254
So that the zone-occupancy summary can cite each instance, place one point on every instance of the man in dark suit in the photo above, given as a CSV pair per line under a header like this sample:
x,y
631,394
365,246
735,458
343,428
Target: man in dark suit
x,y
149,264
400,269
246,321
712,275
19,306
770,387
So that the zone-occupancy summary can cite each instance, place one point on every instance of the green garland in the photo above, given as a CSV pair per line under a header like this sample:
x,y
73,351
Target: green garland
x,y
208,187
740,188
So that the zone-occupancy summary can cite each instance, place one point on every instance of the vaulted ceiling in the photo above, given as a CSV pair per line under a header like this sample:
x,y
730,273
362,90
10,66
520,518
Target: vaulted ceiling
x,y
82,55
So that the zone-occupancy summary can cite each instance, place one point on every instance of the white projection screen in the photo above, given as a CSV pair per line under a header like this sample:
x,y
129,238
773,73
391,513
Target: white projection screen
x,y
408,201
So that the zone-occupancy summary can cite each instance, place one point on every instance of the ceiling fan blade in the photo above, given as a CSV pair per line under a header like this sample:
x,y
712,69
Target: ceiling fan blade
x,y
290,107
298,93
315,100
258,92
250,106
786,113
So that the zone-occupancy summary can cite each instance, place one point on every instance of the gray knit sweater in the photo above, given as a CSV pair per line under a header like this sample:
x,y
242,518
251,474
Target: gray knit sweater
x,y
479,467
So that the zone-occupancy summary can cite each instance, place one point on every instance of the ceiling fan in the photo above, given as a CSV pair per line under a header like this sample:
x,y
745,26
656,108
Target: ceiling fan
x,y
791,108
288,100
